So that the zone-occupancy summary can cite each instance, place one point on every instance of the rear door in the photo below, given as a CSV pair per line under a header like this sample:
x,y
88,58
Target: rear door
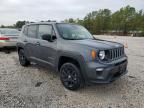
x,y
31,42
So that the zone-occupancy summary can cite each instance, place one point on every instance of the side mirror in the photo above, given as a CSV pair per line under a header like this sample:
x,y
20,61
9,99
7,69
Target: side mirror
x,y
47,37
54,37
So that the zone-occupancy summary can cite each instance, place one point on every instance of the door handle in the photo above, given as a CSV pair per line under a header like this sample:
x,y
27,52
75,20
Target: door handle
x,y
37,43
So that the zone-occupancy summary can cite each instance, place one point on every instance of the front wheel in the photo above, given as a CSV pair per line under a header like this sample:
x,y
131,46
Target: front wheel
x,y
22,59
70,76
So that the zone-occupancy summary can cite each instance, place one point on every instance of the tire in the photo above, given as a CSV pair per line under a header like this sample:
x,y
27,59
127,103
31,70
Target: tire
x,y
22,59
71,77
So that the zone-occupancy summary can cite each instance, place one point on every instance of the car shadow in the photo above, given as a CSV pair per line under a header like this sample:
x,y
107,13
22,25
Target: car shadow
x,y
117,88
8,50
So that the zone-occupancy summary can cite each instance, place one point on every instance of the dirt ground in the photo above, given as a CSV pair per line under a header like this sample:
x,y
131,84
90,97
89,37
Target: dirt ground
x,y
38,87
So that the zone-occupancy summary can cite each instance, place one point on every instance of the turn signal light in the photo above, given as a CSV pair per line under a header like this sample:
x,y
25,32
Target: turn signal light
x,y
93,54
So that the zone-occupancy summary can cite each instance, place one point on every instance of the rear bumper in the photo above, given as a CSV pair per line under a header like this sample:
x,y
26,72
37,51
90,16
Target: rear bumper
x,y
106,73
7,44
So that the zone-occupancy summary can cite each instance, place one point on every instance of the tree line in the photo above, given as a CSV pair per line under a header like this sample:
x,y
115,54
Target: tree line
x,y
126,21
18,25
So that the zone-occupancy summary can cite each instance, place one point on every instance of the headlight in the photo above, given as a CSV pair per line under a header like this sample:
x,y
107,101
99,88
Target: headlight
x,y
102,55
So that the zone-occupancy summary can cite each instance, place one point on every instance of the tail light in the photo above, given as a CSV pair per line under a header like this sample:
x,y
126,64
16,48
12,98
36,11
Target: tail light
x,y
4,38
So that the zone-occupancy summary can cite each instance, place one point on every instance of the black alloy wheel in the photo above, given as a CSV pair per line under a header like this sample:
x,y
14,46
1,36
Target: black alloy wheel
x,y
70,76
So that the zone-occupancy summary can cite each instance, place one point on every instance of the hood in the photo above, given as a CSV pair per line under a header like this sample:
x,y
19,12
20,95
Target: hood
x,y
98,44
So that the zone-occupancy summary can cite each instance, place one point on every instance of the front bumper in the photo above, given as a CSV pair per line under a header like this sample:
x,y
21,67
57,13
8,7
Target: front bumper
x,y
106,73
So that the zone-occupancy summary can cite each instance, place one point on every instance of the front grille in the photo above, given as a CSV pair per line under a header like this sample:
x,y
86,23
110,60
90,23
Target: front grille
x,y
114,53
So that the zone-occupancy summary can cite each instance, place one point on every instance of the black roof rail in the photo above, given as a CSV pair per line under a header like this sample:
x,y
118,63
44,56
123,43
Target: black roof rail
x,y
41,21
27,22
51,21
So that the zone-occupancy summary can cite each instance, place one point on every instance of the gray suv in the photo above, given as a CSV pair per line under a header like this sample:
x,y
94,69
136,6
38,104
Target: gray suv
x,y
72,51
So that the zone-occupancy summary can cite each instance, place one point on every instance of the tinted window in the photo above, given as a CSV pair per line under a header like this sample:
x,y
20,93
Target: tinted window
x,y
32,30
44,29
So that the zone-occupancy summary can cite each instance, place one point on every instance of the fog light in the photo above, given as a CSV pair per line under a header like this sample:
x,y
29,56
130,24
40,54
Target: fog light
x,y
99,72
99,69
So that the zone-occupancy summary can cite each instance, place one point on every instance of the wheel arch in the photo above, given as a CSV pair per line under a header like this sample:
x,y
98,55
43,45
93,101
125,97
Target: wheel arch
x,y
76,59
65,59
19,47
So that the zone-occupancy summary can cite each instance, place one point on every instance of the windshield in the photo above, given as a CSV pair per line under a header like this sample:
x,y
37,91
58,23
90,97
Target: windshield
x,y
9,32
73,32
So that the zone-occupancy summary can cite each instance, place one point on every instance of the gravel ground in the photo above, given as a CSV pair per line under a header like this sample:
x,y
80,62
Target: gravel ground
x,y
38,87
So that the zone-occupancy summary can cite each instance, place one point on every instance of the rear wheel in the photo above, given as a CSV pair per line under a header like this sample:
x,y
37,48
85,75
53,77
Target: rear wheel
x,y
22,59
70,76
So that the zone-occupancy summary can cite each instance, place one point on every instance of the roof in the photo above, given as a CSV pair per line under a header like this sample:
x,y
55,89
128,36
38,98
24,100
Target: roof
x,y
47,22
42,22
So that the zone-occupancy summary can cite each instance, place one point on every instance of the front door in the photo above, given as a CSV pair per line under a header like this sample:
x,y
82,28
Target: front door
x,y
48,49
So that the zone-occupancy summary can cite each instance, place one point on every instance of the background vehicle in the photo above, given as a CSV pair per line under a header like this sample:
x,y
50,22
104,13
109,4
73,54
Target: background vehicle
x,y
8,37
71,50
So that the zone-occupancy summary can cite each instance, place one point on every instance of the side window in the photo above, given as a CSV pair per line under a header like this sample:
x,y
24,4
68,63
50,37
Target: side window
x,y
32,31
25,30
44,29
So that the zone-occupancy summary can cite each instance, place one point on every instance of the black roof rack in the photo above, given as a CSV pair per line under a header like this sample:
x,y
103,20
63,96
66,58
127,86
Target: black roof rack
x,y
49,21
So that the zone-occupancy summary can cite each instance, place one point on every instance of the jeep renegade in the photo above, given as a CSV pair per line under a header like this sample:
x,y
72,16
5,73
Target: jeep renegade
x,y
72,51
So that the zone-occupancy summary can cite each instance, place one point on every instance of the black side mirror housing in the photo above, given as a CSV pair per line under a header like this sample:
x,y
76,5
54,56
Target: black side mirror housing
x,y
47,37
54,37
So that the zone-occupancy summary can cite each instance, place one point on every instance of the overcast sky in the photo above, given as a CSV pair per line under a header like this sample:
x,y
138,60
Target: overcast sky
x,y
37,10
